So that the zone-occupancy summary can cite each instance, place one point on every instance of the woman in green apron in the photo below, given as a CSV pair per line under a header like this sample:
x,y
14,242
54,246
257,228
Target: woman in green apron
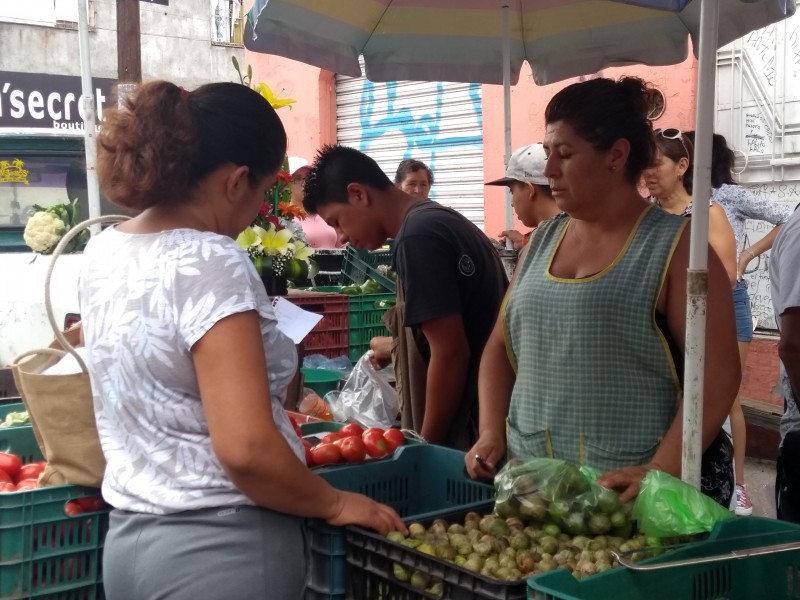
x,y
584,363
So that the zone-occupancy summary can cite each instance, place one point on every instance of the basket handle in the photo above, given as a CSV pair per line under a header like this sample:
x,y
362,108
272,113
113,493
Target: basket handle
x,y
732,555
48,301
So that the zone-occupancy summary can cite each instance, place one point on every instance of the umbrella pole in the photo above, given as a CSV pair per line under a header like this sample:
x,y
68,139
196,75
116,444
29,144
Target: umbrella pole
x,y
87,99
697,275
507,110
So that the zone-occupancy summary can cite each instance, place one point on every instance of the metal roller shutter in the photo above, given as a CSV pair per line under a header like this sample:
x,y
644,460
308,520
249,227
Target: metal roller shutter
x,y
435,122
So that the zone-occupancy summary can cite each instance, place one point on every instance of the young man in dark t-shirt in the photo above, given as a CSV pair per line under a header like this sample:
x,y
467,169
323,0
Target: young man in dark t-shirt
x,y
451,279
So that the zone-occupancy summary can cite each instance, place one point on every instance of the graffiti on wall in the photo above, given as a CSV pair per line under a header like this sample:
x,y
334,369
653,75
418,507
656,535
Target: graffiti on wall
x,y
424,131
757,273
757,132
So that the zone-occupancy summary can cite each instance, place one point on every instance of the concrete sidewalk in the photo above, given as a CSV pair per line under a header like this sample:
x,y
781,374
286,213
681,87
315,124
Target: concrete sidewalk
x,y
760,480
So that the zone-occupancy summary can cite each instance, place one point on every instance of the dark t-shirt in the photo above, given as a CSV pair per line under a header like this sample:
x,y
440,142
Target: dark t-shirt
x,y
448,266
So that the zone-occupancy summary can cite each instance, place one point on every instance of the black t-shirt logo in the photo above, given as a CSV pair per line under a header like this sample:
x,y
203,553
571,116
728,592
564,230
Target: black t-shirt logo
x,y
466,266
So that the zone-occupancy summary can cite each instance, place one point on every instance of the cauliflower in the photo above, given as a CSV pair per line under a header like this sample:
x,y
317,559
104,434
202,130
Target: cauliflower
x,y
43,232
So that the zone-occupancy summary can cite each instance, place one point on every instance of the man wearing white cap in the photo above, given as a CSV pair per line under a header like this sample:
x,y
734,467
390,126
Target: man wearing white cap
x,y
318,233
530,191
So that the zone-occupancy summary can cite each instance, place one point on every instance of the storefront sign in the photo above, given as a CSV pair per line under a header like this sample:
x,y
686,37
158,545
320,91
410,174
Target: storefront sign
x,y
48,101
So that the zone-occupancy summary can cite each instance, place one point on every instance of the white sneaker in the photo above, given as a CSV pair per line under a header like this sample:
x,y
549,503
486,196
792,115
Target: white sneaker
x,y
743,508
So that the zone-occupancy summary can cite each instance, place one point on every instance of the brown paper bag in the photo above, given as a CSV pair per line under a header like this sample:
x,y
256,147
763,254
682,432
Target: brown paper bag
x,y
61,407
61,411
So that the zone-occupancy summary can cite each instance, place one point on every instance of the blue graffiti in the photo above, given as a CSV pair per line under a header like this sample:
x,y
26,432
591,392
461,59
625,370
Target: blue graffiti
x,y
423,133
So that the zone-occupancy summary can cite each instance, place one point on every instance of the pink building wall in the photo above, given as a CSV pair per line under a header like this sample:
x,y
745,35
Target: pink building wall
x,y
311,121
678,84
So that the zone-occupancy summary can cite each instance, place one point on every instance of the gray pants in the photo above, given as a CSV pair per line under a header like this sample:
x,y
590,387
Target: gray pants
x,y
245,552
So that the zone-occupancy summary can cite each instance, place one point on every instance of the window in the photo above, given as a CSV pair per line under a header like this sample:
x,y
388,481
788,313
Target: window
x,y
43,179
41,12
227,22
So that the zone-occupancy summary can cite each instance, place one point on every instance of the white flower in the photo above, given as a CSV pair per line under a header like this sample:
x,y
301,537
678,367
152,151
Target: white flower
x,y
43,231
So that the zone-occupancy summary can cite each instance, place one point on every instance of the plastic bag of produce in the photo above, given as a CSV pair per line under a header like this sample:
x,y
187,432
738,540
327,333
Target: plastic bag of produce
x,y
547,490
667,507
366,398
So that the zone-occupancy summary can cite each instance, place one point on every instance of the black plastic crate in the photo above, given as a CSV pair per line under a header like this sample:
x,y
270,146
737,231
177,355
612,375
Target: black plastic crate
x,y
371,559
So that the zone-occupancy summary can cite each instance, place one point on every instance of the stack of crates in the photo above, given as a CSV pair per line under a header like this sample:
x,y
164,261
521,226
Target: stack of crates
x,y
365,321
331,336
45,553
365,314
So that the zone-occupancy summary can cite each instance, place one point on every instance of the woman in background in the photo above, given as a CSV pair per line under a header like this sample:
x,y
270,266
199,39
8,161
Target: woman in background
x,y
741,204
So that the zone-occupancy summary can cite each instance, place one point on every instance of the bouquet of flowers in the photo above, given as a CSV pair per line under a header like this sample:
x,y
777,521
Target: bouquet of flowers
x,y
275,241
46,227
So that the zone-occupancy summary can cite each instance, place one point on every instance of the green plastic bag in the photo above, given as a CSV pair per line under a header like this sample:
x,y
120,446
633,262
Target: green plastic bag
x,y
552,491
668,507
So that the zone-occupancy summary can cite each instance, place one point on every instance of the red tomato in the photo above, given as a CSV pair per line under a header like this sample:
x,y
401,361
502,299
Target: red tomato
x,y
309,456
27,484
91,504
296,426
330,438
72,508
351,429
7,486
10,463
395,439
5,477
372,430
31,471
353,449
375,444
326,454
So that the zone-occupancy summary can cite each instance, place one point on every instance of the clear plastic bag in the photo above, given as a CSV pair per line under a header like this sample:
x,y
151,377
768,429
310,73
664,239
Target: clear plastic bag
x,y
366,398
320,361
547,490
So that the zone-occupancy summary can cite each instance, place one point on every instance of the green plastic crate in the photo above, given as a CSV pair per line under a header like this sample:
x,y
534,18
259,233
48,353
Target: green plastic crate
x,y
418,481
360,265
767,577
44,553
365,322
19,440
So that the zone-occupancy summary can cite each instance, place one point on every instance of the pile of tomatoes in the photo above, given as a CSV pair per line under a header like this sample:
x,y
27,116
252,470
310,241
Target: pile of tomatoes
x,y
351,444
16,477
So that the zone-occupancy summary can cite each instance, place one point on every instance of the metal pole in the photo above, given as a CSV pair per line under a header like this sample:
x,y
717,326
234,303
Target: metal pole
x,y
89,122
507,109
697,275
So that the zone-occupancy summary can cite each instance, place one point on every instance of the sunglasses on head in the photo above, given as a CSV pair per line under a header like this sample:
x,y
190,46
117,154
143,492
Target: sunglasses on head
x,y
670,133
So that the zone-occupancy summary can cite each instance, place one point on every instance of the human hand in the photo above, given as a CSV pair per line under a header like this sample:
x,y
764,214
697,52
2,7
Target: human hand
x,y
744,259
357,509
481,460
628,480
515,236
381,354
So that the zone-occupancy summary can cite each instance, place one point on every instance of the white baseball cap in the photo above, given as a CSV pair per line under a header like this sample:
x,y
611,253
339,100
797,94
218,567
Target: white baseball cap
x,y
296,163
527,165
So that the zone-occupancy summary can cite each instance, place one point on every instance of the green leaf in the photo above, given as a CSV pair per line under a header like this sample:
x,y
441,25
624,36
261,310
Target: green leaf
x,y
249,73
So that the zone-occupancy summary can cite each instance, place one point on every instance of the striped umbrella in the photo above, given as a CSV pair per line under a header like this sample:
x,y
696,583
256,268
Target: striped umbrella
x,y
486,41
461,40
